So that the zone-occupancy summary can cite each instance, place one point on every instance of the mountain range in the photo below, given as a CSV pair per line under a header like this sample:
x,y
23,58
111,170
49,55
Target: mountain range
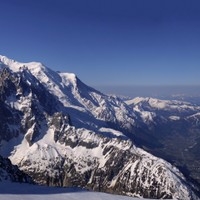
x,y
175,127
60,132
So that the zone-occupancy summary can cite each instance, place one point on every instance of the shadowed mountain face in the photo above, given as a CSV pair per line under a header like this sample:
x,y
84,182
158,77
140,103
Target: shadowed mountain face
x,y
9,172
63,133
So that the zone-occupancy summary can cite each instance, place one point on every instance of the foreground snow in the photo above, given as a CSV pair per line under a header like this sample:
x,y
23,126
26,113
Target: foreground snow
x,y
17,191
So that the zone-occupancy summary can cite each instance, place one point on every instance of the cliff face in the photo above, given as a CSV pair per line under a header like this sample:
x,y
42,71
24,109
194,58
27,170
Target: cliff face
x,y
9,172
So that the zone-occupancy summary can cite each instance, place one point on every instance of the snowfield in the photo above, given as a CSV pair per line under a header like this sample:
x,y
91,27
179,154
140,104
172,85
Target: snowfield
x,y
17,191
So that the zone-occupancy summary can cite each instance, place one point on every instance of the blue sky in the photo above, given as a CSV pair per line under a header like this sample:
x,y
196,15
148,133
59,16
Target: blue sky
x,y
107,42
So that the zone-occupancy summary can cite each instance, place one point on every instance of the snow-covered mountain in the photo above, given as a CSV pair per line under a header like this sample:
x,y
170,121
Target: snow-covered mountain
x,y
170,105
63,133
75,97
149,108
175,126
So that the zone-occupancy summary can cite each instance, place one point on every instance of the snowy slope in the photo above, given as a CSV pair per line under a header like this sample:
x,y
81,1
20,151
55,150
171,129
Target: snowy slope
x,y
122,156
64,133
17,191
167,105
150,108
75,95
